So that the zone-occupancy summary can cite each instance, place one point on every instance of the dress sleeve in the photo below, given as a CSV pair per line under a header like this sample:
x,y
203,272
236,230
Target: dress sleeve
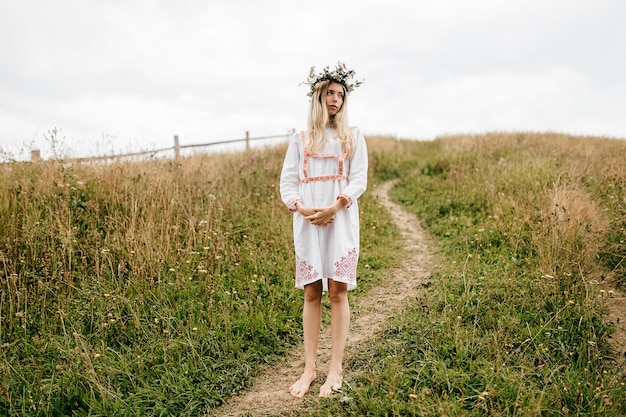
x,y
358,170
290,175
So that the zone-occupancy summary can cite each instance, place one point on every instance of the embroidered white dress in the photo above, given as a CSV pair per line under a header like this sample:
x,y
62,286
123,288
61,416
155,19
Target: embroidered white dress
x,y
318,179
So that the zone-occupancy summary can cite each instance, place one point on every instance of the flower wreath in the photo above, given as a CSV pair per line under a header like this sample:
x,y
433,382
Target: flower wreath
x,y
341,74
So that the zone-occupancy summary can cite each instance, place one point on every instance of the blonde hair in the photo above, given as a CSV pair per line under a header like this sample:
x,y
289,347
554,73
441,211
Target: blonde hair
x,y
319,120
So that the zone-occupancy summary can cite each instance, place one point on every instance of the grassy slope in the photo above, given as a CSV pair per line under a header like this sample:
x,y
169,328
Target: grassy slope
x,y
528,226
151,288
160,287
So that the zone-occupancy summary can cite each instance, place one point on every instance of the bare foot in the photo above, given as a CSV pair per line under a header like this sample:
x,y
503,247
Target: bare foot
x,y
333,383
302,385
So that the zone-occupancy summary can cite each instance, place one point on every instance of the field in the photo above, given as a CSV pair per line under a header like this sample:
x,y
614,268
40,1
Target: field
x,y
162,287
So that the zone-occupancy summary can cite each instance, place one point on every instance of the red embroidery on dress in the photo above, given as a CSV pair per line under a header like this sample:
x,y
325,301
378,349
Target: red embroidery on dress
x,y
348,199
324,178
305,164
304,168
346,266
304,272
292,205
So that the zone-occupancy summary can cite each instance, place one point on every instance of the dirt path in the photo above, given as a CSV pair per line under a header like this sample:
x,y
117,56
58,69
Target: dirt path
x,y
268,395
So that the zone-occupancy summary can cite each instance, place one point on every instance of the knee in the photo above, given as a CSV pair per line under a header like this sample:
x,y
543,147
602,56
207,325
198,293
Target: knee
x,y
338,293
313,293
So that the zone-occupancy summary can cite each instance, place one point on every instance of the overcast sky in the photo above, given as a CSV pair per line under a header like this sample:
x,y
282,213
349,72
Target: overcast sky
x,y
127,75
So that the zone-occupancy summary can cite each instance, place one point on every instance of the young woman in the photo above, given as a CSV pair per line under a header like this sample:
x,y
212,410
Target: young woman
x,y
323,175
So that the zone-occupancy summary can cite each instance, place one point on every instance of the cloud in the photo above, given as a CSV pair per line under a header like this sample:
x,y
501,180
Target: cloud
x,y
137,72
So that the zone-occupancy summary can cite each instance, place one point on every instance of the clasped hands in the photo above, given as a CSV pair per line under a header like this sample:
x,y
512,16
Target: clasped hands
x,y
321,216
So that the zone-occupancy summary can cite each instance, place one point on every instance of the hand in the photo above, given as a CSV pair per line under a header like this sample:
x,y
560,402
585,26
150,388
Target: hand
x,y
304,210
322,216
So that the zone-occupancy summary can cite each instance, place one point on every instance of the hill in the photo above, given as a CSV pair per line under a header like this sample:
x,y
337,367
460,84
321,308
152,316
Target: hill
x,y
162,287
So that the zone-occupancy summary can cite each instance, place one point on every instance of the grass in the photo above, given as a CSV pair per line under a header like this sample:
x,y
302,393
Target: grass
x,y
529,226
147,288
161,287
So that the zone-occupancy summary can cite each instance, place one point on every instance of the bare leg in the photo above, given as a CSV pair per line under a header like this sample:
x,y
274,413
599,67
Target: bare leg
x,y
311,322
339,324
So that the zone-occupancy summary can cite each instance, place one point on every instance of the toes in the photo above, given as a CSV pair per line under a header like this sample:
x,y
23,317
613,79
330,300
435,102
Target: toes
x,y
332,385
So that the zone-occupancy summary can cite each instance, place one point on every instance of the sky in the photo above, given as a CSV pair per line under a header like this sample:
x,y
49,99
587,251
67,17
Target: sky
x,y
114,76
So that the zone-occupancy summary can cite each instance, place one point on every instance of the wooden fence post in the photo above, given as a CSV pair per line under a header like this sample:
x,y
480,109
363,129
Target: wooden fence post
x,y
35,155
247,141
176,147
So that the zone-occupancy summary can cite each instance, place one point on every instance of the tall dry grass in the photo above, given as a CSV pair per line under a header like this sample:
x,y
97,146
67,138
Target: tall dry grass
x,y
141,285
160,287
154,287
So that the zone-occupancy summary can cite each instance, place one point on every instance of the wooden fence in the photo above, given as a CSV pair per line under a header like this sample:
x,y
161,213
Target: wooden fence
x,y
35,154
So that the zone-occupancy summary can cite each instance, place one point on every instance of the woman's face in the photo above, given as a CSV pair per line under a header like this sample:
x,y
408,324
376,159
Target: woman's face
x,y
334,98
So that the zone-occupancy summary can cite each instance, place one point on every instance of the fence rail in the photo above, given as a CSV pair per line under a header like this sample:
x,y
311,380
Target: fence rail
x,y
35,154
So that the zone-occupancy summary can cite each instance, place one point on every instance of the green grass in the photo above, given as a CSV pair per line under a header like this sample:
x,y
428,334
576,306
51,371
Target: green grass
x,y
149,288
514,322
161,287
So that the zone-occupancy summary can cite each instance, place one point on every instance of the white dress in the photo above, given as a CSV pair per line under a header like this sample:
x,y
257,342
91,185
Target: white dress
x,y
318,179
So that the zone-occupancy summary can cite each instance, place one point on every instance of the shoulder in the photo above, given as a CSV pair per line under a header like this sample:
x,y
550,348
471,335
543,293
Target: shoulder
x,y
356,133
296,136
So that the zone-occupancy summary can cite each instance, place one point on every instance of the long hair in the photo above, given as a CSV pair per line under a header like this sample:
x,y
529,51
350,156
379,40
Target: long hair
x,y
319,120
